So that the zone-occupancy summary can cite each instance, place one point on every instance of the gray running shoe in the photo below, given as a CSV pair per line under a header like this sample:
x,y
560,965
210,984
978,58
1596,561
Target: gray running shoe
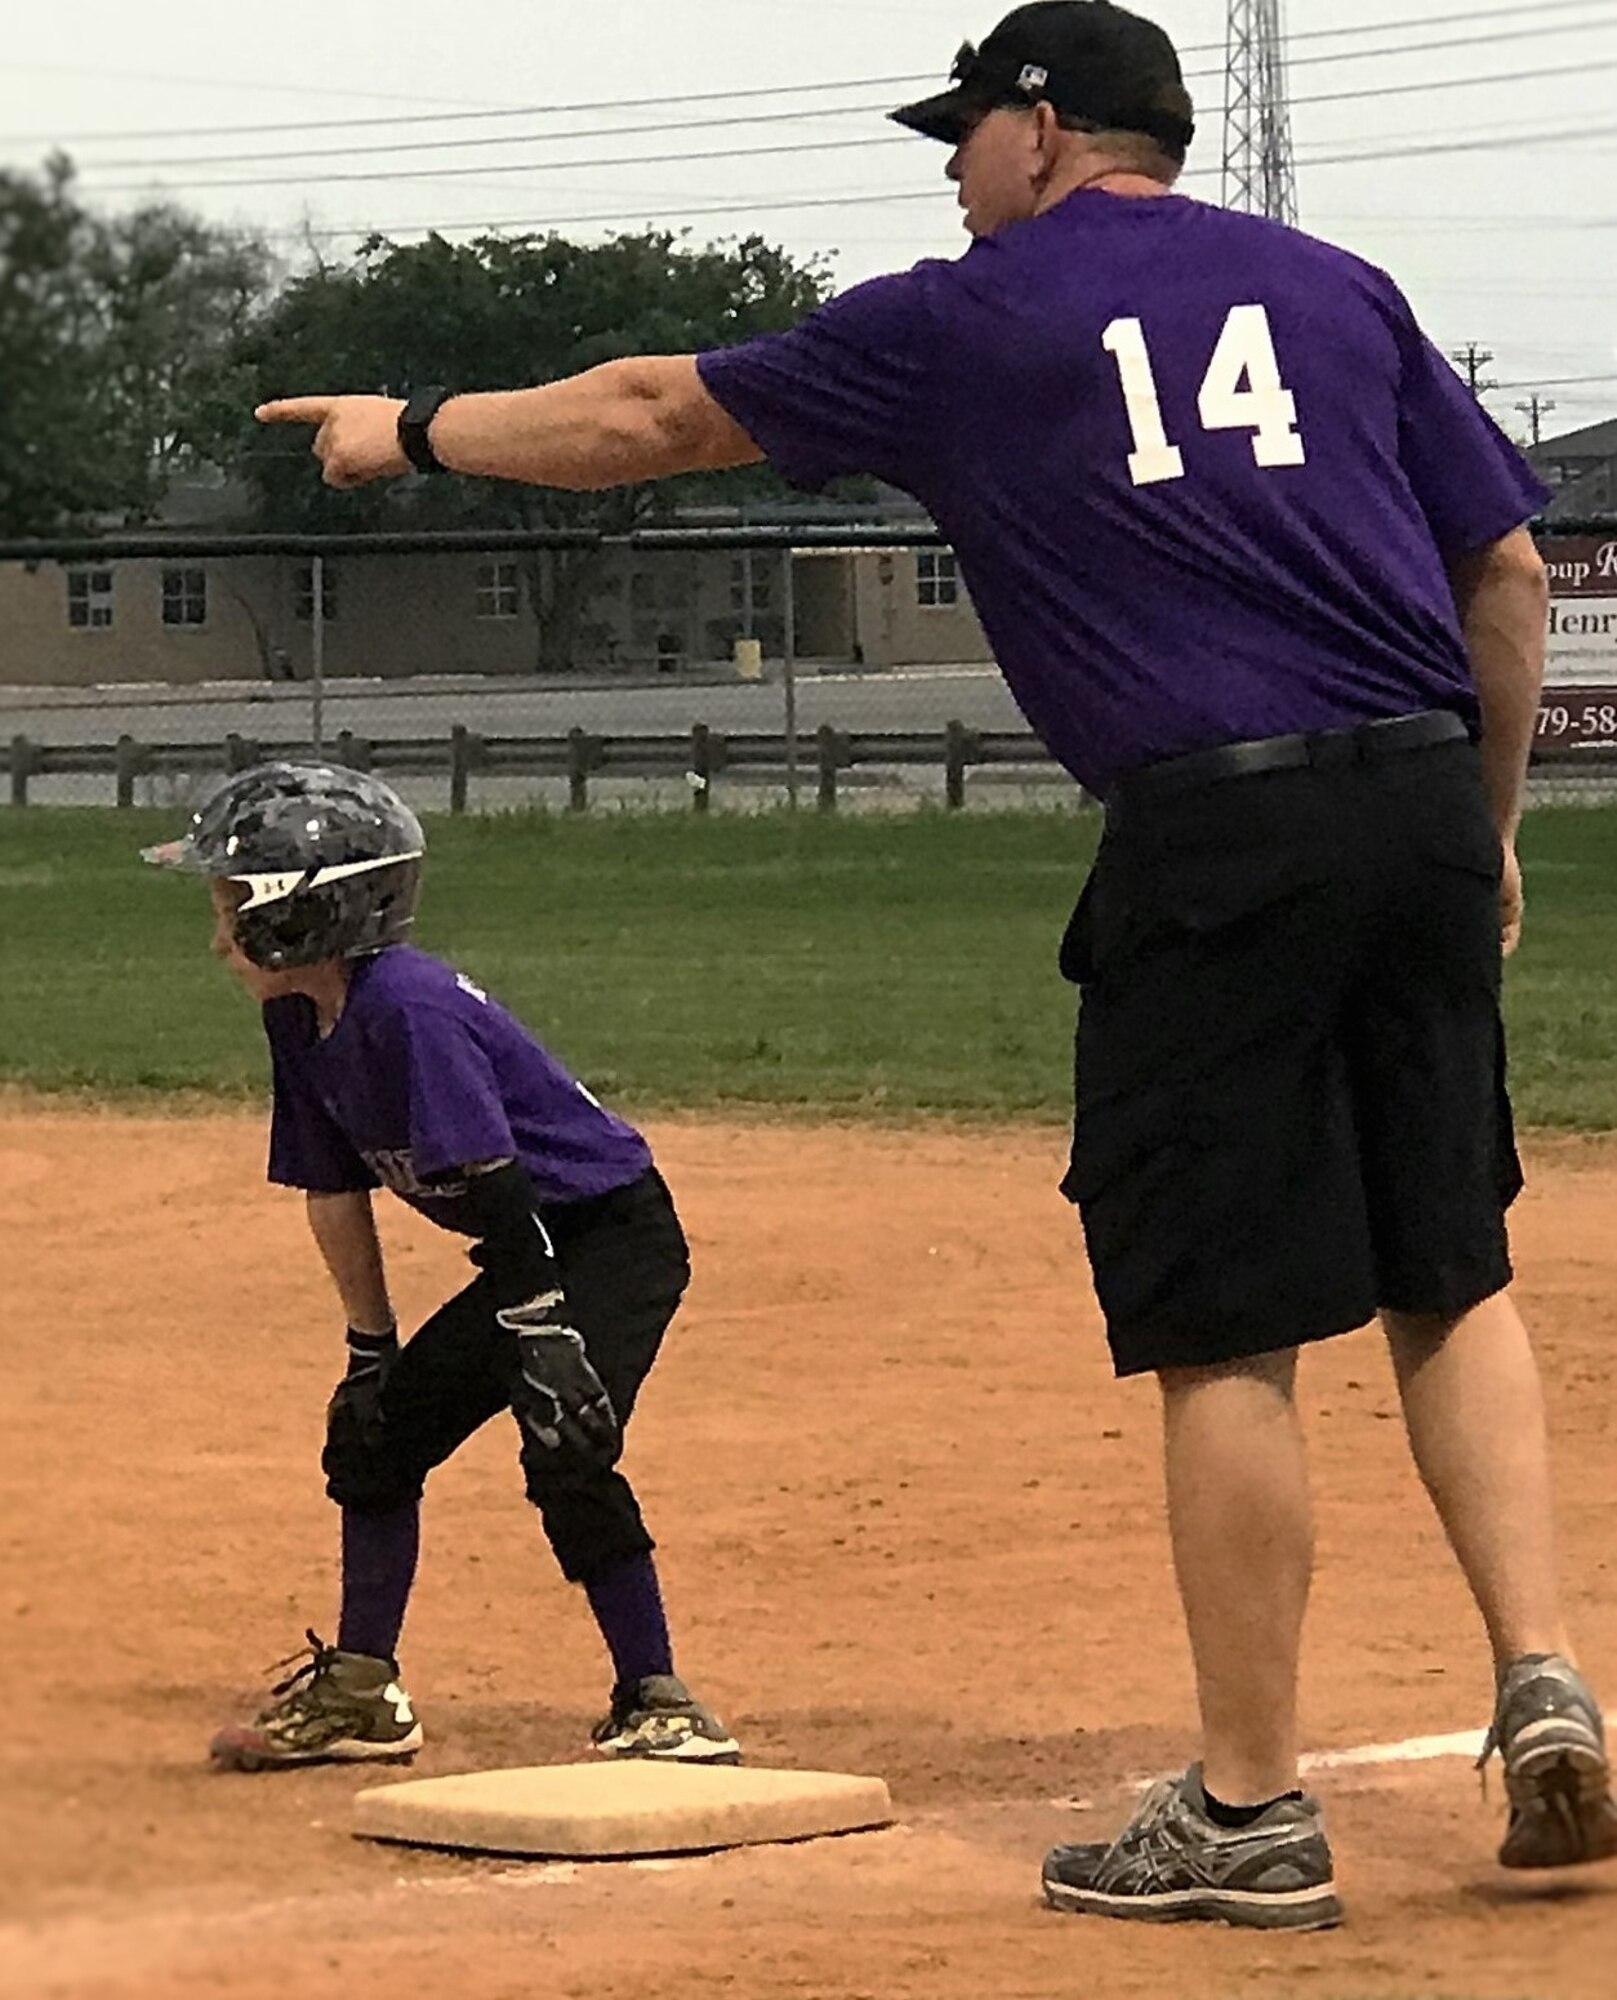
x,y
1548,1729
1171,1863
659,1717
336,1708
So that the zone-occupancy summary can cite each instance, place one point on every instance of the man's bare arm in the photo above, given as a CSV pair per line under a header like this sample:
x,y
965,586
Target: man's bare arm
x,y
1502,594
616,425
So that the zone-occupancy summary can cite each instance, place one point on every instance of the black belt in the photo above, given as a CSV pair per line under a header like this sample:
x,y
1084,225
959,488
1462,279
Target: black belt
x,y
1324,748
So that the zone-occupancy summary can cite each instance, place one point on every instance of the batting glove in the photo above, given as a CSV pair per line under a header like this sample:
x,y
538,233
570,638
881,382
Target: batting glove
x,y
560,1401
370,1361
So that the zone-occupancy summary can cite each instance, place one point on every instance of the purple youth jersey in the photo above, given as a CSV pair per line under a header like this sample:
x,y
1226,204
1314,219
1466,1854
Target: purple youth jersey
x,y
424,1074
1202,472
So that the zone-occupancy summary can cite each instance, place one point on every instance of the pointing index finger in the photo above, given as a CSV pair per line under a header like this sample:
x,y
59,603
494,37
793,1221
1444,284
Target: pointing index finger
x,y
296,410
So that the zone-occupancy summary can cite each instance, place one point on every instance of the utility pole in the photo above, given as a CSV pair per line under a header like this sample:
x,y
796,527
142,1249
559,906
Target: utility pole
x,y
1535,410
1471,360
1260,175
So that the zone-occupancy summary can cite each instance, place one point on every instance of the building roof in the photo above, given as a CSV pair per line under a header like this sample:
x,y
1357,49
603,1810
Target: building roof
x,y
1592,441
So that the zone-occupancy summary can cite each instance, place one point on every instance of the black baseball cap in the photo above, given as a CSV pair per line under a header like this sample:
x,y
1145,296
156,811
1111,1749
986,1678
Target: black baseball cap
x,y
1099,65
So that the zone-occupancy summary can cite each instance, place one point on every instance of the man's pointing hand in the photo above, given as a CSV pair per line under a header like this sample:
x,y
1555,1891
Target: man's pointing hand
x,y
356,437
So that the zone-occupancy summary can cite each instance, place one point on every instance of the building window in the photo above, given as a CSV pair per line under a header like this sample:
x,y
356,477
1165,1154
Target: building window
x,y
89,598
303,593
185,597
499,590
937,581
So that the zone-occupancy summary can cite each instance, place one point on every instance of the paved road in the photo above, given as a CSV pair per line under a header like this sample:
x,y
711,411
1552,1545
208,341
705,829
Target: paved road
x,y
913,699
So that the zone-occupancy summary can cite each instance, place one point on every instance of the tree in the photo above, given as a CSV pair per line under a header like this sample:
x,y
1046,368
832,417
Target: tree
x,y
116,339
176,296
495,313
54,408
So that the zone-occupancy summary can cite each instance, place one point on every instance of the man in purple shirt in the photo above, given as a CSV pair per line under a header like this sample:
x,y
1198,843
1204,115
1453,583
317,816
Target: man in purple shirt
x,y
1256,568
393,1070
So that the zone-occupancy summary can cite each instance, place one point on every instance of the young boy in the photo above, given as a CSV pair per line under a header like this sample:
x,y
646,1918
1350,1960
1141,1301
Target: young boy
x,y
390,1069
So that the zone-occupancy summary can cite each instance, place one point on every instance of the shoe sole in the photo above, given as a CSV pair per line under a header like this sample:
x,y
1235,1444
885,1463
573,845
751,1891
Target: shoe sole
x,y
1563,1813
240,1749
1318,1909
692,1751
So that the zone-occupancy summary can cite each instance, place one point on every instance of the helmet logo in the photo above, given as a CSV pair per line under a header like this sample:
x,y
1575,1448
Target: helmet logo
x,y
276,887
1033,78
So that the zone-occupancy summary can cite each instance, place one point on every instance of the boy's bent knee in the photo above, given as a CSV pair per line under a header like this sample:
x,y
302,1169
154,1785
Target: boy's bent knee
x,y
360,1470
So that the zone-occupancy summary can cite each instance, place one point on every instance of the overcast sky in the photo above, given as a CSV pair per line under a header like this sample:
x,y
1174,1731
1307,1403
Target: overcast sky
x,y
1504,233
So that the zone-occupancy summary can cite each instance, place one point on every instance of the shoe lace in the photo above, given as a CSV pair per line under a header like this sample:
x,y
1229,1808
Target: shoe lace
x,y
309,1662
1492,1745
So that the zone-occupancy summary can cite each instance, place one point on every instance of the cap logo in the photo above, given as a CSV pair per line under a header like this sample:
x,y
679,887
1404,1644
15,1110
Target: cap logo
x,y
1033,78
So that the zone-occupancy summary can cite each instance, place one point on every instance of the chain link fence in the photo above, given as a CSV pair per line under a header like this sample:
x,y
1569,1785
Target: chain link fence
x,y
831,666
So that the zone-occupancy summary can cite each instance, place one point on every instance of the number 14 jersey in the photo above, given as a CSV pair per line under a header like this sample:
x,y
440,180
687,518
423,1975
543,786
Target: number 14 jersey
x,y
1202,472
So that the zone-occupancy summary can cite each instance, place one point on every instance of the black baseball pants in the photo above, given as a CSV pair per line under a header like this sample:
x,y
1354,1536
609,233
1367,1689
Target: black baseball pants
x,y
624,1265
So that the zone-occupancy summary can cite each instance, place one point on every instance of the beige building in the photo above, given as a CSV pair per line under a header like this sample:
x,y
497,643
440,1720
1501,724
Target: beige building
x,y
187,620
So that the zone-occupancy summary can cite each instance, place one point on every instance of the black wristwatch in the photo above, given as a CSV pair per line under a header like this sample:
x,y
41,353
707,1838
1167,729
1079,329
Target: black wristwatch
x,y
415,420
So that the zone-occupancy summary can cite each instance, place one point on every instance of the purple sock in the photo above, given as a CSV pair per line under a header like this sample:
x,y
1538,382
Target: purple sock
x,y
378,1567
628,1606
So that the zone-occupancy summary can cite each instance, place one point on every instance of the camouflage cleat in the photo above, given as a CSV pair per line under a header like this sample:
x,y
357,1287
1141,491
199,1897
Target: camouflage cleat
x,y
336,1708
1171,1863
1548,1729
659,1717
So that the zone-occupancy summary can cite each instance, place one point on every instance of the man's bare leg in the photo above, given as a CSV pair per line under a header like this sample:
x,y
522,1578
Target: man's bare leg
x,y
1475,1412
1474,1409
1243,1543
1240,1844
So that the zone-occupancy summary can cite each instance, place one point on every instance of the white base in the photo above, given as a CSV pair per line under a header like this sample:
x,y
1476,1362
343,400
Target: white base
x,y
626,1808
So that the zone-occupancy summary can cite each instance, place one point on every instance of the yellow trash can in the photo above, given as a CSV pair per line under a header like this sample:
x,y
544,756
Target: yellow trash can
x,y
749,659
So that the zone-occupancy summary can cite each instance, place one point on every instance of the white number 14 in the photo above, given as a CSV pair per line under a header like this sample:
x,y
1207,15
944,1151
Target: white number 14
x,y
1241,390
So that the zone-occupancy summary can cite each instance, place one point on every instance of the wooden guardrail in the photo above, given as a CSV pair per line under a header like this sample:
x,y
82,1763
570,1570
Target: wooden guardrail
x,y
703,756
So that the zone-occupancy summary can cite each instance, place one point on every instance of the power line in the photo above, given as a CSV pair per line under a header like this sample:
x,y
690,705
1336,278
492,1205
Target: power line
x,y
1439,20
238,130
747,206
394,148
1557,381
664,98
1534,33
1458,83
1490,225
483,139
1415,149
771,206
299,89
733,154
1553,135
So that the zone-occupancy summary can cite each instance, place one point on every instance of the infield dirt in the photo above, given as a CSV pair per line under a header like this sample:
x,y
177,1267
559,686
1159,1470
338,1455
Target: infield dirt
x,y
910,1526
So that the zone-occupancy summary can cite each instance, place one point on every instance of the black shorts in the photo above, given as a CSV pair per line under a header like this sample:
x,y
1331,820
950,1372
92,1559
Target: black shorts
x,y
1291,1105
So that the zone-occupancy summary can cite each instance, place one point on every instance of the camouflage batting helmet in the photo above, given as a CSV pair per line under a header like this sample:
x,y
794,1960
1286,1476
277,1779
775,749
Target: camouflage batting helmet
x,y
330,859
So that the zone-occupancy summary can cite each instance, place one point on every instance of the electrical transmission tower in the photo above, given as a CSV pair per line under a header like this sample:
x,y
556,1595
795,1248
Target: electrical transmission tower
x,y
1259,174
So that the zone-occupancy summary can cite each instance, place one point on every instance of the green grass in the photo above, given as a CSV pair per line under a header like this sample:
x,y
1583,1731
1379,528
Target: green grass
x,y
870,965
